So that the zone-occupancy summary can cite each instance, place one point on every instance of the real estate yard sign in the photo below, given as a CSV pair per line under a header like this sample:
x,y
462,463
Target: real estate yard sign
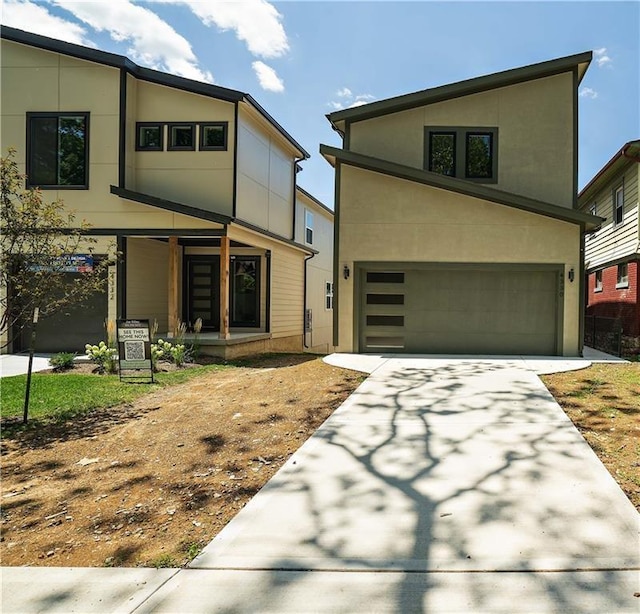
x,y
134,350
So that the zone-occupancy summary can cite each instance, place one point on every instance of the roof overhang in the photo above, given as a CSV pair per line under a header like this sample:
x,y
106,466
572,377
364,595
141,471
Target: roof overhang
x,y
146,74
202,214
477,190
626,155
579,62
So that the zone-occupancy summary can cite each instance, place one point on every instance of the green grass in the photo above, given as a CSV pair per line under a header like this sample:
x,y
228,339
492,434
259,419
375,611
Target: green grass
x,y
64,395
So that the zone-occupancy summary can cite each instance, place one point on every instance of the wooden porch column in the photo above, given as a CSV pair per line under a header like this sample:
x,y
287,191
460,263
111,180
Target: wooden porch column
x,y
224,287
173,286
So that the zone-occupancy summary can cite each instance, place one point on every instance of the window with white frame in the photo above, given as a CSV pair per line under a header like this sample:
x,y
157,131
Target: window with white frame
x,y
622,280
308,227
618,205
598,281
328,295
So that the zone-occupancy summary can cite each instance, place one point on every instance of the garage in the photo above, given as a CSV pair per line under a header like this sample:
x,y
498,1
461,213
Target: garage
x,y
71,328
460,309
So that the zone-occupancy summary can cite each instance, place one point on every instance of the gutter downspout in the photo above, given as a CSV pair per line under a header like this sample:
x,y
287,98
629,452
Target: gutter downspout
x,y
304,305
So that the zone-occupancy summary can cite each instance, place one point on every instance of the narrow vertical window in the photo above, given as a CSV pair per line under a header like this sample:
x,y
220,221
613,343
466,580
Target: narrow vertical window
x,y
598,281
618,205
442,153
328,292
622,280
308,227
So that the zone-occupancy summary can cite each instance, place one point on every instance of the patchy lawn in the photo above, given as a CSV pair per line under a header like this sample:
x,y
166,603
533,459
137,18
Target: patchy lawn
x,y
150,482
603,401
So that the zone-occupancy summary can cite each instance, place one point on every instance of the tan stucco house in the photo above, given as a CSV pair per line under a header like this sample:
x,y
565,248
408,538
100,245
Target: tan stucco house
x,y
195,185
612,253
457,227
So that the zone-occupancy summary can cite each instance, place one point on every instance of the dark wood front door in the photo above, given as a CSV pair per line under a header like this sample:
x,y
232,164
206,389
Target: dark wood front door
x,y
203,291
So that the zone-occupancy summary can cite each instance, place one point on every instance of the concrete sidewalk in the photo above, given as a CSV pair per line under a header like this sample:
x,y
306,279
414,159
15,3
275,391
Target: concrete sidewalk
x,y
17,364
440,485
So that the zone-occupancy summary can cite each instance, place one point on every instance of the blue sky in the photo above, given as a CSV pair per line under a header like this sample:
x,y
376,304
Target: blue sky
x,y
302,60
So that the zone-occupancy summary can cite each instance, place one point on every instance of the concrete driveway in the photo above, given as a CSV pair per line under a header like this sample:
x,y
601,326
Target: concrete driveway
x,y
441,485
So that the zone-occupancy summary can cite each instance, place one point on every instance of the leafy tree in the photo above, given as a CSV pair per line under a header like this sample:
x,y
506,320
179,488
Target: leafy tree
x,y
37,238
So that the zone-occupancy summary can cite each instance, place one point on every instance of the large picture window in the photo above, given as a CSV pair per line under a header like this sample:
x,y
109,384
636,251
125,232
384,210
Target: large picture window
x,y
466,153
58,150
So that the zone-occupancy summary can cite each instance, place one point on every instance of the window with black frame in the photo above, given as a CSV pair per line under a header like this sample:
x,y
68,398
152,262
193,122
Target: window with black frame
x,y
245,291
58,150
465,153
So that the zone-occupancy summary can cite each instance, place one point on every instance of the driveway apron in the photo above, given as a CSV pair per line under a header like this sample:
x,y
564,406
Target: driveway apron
x,y
440,485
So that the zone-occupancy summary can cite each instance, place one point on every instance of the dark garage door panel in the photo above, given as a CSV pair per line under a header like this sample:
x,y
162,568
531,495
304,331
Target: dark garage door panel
x,y
467,312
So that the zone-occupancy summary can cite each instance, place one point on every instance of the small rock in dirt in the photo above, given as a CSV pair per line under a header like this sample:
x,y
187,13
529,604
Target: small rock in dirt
x,y
236,416
87,461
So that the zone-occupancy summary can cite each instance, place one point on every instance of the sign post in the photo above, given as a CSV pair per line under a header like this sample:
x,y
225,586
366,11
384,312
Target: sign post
x,y
134,351
32,349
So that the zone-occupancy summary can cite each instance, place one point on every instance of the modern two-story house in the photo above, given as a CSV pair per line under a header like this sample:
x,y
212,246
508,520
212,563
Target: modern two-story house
x,y
457,227
612,254
194,184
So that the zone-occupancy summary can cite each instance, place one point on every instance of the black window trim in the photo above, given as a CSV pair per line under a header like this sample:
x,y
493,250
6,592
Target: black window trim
x,y
28,164
191,147
460,149
203,126
257,260
146,125
430,136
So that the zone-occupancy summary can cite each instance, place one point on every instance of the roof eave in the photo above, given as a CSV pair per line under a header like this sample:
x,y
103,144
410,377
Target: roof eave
x,y
475,190
465,88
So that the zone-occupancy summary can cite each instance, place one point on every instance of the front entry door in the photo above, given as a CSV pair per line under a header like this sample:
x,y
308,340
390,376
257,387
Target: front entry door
x,y
203,291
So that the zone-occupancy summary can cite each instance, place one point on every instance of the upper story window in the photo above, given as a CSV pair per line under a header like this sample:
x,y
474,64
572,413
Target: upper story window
x,y
58,150
308,227
618,205
622,280
149,136
467,153
182,137
213,136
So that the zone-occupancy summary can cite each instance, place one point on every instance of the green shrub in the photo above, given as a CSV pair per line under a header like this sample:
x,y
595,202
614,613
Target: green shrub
x,y
104,356
62,361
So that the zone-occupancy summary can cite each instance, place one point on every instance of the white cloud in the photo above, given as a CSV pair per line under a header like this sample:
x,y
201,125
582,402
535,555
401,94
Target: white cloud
x,y
587,92
256,22
35,18
602,59
349,100
153,42
268,78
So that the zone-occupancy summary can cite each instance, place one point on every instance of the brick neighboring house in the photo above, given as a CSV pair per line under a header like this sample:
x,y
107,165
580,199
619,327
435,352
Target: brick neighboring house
x,y
612,253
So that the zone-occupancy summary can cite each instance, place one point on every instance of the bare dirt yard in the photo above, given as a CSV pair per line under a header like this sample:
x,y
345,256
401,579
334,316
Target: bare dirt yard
x,y
152,482
603,402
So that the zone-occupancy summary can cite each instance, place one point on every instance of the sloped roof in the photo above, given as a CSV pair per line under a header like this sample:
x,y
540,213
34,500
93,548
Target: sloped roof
x,y
144,74
579,62
627,154
336,155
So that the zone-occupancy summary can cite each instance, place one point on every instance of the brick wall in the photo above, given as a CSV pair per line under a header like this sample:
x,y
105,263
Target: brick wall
x,y
612,302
